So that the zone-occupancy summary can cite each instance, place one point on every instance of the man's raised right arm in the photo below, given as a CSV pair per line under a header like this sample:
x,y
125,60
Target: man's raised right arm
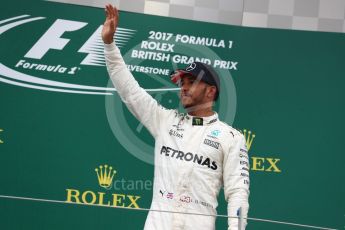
x,y
138,101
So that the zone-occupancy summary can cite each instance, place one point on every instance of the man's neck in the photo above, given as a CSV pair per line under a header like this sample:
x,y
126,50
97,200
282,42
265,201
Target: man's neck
x,y
201,113
201,110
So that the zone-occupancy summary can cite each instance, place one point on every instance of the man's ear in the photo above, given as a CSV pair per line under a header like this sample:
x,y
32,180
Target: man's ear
x,y
212,90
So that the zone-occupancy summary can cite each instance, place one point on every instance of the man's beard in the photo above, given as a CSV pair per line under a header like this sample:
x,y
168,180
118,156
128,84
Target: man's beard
x,y
197,103
192,108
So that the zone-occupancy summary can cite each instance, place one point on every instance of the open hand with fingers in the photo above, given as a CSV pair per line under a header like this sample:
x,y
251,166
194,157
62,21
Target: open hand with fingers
x,y
110,24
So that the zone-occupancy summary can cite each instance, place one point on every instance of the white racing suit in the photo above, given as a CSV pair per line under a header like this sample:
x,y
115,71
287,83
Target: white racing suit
x,y
193,158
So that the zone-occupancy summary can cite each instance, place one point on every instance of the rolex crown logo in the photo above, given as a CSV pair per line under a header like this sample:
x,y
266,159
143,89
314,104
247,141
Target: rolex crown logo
x,y
105,176
249,138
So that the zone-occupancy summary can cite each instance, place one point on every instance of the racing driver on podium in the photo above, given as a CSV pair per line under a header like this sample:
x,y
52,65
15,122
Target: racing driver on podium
x,y
195,153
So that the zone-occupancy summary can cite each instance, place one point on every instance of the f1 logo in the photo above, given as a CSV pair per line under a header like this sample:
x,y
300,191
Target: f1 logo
x,y
52,38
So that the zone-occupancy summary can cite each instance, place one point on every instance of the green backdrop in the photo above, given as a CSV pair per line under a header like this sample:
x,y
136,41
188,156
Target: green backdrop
x,y
286,87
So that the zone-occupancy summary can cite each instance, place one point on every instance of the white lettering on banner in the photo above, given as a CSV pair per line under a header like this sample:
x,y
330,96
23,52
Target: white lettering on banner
x,y
159,46
48,68
151,45
225,64
148,55
52,38
199,41
148,70
187,60
189,39
160,36
230,44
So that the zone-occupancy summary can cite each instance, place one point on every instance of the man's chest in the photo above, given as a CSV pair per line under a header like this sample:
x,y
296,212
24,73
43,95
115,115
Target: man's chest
x,y
200,145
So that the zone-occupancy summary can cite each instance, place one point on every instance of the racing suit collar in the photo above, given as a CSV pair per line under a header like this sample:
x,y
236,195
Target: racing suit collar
x,y
202,121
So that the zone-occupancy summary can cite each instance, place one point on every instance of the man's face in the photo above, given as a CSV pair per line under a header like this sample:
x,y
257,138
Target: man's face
x,y
193,92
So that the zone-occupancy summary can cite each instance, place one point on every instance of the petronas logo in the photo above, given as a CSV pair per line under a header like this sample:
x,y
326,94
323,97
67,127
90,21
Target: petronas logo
x,y
105,176
249,136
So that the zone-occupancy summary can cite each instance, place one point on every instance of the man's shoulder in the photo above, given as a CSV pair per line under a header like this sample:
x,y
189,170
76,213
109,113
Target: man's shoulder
x,y
229,129
171,114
